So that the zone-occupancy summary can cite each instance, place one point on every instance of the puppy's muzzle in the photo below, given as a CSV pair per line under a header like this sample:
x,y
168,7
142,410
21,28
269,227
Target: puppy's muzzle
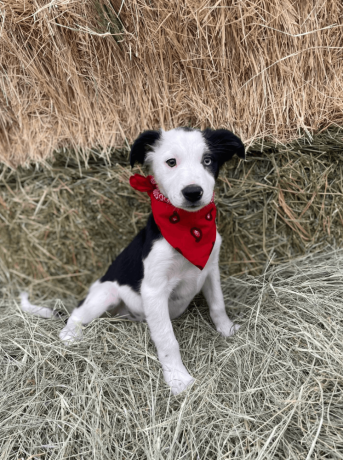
x,y
192,193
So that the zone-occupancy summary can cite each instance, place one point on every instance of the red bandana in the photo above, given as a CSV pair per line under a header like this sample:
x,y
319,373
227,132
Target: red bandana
x,y
192,234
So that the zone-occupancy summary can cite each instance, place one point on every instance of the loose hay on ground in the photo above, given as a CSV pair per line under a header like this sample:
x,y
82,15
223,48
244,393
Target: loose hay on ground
x,y
274,390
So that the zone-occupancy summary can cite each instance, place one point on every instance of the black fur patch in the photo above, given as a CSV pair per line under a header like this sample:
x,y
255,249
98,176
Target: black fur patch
x,y
142,145
127,268
222,145
213,168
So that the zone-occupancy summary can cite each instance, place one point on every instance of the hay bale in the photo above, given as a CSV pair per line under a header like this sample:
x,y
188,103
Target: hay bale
x,y
61,227
95,73
274,390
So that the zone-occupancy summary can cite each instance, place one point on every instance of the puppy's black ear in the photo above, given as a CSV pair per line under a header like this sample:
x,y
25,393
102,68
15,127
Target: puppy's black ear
x,y
142,145
223,144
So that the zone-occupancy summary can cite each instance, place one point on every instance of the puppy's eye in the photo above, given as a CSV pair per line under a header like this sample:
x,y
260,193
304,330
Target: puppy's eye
x,y
207,161
171,162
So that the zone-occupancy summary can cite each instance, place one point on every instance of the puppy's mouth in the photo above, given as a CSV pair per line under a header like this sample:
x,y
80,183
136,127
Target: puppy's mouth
x,y
193,206
187,205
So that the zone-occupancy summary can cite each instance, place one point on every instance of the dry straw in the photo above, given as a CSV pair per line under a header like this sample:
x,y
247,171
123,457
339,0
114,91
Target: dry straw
x,y
86,73
272,391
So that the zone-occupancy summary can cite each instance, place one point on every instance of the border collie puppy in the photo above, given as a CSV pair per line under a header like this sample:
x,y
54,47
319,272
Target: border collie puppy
x,y
175,256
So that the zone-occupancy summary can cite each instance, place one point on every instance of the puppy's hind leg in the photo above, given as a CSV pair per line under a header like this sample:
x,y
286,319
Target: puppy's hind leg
x,y
100,298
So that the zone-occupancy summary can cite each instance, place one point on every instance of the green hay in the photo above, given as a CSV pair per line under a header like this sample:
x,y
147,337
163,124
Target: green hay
x,y
61,227
273,391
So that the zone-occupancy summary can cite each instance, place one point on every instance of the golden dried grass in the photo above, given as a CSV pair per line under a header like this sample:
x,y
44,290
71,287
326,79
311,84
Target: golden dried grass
x,y
94,73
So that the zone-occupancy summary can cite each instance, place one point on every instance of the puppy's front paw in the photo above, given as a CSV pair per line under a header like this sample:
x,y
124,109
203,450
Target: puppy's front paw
x,y
177,379
228,328
71,333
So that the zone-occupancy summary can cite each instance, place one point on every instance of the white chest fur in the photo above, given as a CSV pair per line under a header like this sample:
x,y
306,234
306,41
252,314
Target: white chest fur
x,y
177,278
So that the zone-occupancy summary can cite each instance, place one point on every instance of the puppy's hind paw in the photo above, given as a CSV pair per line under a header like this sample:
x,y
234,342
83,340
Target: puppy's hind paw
x,y
71,333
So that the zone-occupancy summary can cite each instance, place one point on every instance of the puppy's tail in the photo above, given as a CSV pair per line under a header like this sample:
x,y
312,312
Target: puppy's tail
x,y
33,309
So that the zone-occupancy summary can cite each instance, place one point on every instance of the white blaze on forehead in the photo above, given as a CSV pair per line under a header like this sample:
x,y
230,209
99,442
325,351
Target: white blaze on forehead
x,y
187,144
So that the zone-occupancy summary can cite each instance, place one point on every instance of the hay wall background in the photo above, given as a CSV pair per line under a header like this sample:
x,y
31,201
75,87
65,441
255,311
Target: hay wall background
x,y
61,227
95,73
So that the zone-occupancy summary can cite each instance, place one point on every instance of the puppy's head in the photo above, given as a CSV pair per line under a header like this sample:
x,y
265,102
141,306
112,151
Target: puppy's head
x,y
185,162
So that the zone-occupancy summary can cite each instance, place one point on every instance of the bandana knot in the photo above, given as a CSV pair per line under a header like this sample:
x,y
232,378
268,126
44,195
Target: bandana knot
x,y
192,234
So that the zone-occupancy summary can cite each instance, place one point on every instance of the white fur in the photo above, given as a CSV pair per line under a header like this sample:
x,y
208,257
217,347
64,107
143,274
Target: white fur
x,y
188,148
33,309
170,281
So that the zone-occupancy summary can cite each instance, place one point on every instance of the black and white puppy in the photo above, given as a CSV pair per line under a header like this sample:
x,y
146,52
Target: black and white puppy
x,y
149,280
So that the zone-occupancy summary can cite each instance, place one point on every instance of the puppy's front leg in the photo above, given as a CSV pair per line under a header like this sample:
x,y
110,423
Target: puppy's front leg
x,y
155,303
214,295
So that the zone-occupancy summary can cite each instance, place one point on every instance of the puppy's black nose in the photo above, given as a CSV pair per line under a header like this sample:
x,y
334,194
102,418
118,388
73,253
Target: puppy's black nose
x,y
192,193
